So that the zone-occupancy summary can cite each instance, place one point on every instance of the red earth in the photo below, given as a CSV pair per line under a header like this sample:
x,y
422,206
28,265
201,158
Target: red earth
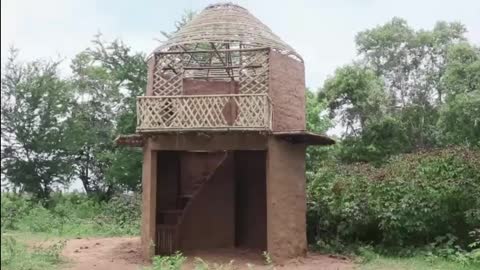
x,y
123,253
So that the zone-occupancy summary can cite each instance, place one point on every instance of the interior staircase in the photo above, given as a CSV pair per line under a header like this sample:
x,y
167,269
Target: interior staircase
x,y
169,221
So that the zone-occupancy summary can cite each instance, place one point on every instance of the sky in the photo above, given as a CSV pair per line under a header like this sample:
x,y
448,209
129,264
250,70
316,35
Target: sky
x,y
323,32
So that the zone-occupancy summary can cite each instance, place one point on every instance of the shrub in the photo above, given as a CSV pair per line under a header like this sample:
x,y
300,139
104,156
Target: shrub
x,y
39,219
72,215
173,262
409,201
13,208
121,215
17,256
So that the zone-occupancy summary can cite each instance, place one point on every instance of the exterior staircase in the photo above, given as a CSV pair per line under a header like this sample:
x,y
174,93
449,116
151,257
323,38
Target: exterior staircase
x,y
170,220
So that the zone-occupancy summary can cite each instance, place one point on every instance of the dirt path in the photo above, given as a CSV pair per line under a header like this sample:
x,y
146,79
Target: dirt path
x,y
119,253
123,253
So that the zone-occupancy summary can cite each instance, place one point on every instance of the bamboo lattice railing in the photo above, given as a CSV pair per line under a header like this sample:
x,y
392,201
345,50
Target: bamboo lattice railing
x,y
204,112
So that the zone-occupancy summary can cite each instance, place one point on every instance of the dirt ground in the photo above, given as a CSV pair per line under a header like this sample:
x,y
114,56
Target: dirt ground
x,y
123,253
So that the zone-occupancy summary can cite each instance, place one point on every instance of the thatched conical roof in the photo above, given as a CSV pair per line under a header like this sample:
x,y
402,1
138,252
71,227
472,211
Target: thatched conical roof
x,y
227,23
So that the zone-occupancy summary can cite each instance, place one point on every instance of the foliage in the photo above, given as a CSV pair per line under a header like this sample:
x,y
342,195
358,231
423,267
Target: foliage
x,y
409,90
35,101
106,78
200,264
16,256
445,247
268,259
317,121
173,262
416,262
462,72
63,215
13,208
409,201
121,215
411,62
379,140
459,120
459,117
71,215
356,95
58,129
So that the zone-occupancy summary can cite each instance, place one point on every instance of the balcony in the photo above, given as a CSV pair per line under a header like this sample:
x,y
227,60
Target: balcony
x,y
204,113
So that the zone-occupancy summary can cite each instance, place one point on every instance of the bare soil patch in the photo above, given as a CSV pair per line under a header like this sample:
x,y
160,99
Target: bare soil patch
x,y
123,253
120,253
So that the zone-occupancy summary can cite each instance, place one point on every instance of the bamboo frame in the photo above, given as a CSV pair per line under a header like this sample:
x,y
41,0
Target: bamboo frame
x,y
227,23
247,66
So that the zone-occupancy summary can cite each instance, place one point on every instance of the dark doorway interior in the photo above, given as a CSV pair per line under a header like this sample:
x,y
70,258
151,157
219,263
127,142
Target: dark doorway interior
x,y
211,200
250,200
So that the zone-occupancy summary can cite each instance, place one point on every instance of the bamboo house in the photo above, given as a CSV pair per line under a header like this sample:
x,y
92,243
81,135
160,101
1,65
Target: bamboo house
x,y
223,131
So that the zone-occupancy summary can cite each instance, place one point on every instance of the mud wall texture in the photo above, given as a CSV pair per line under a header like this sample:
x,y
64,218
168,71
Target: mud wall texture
x,y
149,176
198,87
250,200
210,221
286,200
195,166
210,141
287,91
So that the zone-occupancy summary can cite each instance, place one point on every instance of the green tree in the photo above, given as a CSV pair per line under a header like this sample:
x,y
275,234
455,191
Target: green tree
x,y
35,103
403,89
459,120
107,78
317,121
410,62
378,141
355,95
462,71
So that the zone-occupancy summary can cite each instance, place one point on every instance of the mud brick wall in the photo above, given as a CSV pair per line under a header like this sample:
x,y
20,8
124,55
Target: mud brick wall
x,y
286,200
287,91
210,222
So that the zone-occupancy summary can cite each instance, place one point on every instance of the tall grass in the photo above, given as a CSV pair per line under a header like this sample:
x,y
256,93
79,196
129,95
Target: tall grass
x,y
17,256
71,215
62,216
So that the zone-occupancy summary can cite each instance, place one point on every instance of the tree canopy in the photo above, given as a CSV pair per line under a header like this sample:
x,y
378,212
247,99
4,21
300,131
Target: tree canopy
x,y
410,89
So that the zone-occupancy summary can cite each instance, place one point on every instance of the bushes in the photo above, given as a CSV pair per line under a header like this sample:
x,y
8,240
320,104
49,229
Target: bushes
x,y
72,215
17,256
173,262
13,208
412,200
64,215
121,215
